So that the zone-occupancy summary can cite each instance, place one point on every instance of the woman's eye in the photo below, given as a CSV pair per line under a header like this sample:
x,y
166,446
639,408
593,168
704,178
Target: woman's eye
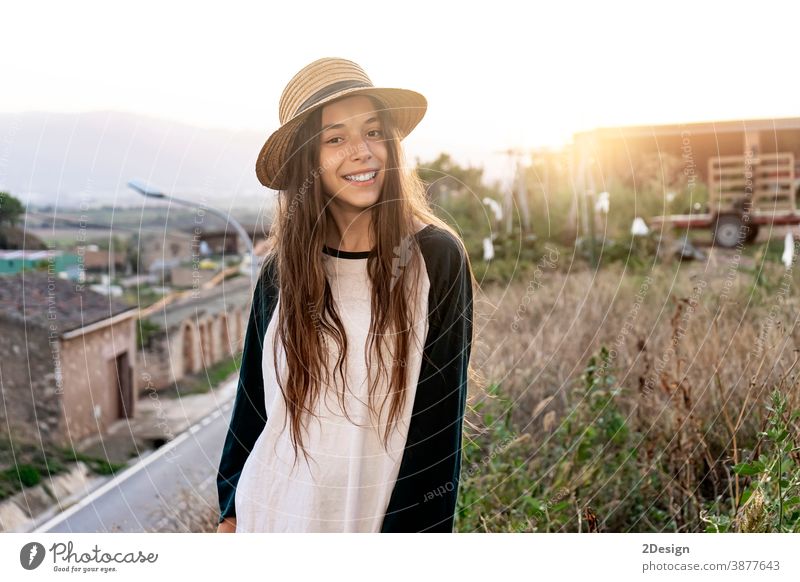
x,y
377,133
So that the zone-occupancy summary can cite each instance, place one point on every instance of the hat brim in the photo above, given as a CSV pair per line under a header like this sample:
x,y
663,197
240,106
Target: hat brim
x,y
406,107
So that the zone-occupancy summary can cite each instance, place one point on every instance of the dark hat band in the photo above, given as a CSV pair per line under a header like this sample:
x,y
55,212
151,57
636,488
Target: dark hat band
x,y
328,91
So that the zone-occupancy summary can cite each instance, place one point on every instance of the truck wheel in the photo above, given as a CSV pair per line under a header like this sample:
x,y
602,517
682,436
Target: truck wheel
x,y
728,230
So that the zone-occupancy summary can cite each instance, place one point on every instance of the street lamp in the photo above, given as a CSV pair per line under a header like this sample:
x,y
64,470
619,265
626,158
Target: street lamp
x,y
150,192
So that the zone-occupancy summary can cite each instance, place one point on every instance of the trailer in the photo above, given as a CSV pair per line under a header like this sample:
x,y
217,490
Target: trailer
x,y
750,167
745,193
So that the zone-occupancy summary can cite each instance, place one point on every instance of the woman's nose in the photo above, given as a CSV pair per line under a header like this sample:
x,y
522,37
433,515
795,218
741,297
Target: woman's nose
x,y
361,149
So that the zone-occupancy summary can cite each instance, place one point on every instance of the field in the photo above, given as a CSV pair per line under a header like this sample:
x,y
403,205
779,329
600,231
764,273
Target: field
x,y
636,402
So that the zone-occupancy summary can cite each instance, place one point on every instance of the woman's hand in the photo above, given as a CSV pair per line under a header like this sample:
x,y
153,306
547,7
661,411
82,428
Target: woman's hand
x,y
227,526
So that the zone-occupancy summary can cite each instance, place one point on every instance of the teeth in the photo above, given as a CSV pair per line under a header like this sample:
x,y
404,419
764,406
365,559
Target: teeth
x,y
361,177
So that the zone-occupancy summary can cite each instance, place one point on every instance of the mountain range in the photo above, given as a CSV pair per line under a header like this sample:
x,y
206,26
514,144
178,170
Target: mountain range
x,y
75,159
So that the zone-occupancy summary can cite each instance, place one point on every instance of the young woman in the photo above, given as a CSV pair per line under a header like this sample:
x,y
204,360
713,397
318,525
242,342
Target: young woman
x,y
353,382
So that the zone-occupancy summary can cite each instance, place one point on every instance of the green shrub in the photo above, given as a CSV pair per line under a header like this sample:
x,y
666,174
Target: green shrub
x,y
26,475
771,503
145,331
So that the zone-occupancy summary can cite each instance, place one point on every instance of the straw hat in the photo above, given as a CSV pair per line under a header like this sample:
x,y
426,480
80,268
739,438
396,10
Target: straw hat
x,y
312,87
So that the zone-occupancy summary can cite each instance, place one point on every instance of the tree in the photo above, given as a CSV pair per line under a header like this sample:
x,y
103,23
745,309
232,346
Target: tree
x,y
446,179
456,194
10,209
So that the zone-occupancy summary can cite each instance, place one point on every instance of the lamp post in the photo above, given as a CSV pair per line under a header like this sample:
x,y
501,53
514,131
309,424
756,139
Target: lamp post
x,y
150,192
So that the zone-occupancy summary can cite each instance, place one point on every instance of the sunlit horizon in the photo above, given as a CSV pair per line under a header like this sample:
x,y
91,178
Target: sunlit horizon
x,y
495,79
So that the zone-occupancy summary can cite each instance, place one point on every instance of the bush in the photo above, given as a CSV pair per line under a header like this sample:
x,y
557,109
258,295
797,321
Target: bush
x,y
145,331
26,475
771,503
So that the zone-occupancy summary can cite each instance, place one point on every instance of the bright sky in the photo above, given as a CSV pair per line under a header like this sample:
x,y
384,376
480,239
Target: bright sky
x,y
496,74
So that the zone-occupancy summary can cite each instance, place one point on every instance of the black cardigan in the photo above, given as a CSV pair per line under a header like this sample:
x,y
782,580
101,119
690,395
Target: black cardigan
x,y
424,495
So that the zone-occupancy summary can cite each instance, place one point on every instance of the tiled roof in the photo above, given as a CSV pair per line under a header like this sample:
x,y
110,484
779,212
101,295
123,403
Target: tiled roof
x,y
44,300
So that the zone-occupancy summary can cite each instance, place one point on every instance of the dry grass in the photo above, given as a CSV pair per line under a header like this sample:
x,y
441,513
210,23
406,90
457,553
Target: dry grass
x,y
189,513
694,351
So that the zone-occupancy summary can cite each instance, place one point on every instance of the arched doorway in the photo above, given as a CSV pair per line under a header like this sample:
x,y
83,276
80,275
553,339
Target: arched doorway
x,y
210,343
225,336
189,341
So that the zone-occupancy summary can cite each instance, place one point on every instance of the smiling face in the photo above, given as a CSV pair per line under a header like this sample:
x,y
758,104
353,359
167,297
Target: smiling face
x,y
352,153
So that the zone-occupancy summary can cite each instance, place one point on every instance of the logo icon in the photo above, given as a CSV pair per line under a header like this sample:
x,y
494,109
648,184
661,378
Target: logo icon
x,y
31,555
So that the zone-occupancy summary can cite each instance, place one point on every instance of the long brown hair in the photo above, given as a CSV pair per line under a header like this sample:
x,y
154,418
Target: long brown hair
x,y
307,314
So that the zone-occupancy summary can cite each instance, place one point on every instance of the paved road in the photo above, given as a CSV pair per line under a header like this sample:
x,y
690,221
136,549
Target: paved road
x,y
153,495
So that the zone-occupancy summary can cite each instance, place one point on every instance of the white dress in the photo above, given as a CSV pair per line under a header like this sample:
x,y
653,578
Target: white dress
x,y
347,484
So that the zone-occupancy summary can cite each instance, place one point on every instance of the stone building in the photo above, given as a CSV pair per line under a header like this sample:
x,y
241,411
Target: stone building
x,y
188,336
96,260
160,251
67,359
220,242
